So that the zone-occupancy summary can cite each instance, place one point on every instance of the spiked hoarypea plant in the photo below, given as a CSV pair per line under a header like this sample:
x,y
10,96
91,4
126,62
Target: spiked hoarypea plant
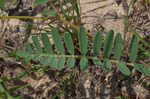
x,y
64,53
47,55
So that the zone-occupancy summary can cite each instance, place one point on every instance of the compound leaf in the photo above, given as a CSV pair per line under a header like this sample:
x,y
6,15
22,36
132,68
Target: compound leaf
x,y
118,46
123,68
108,42
97,43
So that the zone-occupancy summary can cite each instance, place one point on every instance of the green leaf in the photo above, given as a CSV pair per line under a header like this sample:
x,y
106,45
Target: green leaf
x,y
40,1
61,62
57,40
36,44
107,65
3,90
97,43
54,62
123,68
27,56
46,60
108,42
36,58
21,53
133,49
142,68
84,64
49,12
97,62
70,62
118,46
46,43
12,54
2,3
82,40
69,43
28,48
119,97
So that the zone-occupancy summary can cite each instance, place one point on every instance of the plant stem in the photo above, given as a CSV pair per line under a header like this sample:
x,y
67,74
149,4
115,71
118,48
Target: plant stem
x,y
88,57
23,17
